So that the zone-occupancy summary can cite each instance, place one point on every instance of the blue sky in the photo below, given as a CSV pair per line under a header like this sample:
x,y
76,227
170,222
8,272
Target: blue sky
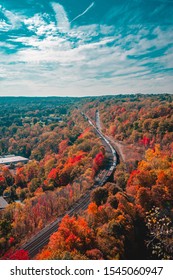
x,y
79,48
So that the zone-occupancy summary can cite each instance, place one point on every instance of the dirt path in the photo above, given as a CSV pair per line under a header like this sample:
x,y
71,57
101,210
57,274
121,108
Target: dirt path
x,y
128,153
119,147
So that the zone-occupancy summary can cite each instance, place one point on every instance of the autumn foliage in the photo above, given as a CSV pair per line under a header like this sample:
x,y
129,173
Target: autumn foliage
x,y
17,255
73,235
66,158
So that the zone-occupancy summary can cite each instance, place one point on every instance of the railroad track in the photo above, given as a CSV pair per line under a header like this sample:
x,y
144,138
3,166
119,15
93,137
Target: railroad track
x,y
35,244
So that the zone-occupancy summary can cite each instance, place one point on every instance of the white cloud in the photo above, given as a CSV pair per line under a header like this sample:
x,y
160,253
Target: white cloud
x,y
63,23
4,26
13,19
38,25
90,59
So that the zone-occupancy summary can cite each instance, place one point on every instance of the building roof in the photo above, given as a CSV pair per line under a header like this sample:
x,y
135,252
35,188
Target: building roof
x,y
12,159
3,203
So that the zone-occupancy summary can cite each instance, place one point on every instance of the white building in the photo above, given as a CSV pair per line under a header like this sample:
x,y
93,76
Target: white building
x,y
3,203
12,159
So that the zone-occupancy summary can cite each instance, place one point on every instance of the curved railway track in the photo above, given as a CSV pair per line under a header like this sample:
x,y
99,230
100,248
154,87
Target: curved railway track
x,y
35,244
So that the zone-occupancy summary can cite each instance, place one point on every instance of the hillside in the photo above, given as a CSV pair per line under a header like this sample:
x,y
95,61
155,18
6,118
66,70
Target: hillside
x,y
130,217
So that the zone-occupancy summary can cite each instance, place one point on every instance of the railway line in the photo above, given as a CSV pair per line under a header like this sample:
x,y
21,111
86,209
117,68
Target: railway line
x,y
35,244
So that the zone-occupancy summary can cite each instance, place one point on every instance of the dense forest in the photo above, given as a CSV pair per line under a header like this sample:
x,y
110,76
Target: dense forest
x,y
129,217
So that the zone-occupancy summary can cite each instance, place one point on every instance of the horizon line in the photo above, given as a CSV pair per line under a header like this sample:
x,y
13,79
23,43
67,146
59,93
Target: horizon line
x,y
86,96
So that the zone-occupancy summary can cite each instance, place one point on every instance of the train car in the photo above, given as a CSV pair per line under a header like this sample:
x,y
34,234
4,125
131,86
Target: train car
x,y
114,160
109,173
112,168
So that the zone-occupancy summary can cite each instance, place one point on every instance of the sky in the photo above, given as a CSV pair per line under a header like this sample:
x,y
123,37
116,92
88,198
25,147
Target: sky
x,y
85,47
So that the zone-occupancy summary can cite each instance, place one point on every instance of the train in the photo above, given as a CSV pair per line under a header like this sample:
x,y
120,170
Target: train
x,y
113,151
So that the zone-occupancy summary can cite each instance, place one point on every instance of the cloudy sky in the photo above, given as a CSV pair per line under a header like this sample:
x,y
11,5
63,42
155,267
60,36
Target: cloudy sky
x,y
85,47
